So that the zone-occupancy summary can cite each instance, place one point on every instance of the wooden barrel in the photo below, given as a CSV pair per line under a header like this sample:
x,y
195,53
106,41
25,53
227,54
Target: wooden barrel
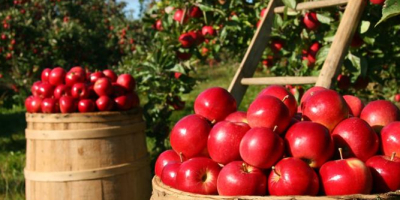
x,y
163,192
91,156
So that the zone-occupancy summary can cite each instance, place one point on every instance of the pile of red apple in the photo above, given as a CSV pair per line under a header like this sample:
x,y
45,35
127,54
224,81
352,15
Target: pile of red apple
x,y
329,145
79,90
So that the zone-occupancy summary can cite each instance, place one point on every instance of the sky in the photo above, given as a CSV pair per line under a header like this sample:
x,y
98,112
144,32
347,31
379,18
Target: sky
x,y
132,5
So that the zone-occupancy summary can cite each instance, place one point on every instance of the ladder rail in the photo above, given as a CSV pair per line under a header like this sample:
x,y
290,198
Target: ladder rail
x,y
312,5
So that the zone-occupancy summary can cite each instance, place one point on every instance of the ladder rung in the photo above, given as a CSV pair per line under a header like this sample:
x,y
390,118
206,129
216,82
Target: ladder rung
x,y
313,5
282,80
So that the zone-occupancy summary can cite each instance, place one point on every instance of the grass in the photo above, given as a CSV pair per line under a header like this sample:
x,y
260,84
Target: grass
x,y
12,153
12,126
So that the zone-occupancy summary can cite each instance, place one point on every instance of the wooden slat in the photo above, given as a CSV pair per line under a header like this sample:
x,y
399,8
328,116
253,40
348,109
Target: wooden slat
x,y
254,52
312,5
341,42
283,80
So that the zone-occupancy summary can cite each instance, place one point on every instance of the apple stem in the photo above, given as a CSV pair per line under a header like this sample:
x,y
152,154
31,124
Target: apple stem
x,y
244,167
341,153
273,169
284,98
275,127
213,121
393,155
181,156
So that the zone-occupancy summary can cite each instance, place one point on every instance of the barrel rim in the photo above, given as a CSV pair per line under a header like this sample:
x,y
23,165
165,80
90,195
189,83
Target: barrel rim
x,y
159,187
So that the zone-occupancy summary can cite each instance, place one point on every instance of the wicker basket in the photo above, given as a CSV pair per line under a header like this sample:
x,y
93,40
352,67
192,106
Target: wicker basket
x,y
163,192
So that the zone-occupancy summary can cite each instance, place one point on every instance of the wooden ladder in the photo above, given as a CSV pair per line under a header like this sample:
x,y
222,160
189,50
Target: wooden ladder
x,y
244,75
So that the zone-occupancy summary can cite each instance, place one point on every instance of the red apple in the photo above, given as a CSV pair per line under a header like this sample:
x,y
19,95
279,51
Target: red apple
x,y
118,90
356,41
79,69
103,87
169,173
62,90
268,111
237,116
208,31
310,92
345,177
123,102
35,89
86,105
182,56
285,96
68,104
356,138
262,13
198,175
215,104
50,105
179,15
33,104
310,20
377,2
276,45
80,91
45,75
292,176
168,156
96,76
343,82
126,81
224,141
189,135
355,105
186,40
385,172
134,98
57,76
110,74
195,12
326,107
158,25
361,83
379,113
73,77
397,98
310,142
261,147
104,103
240,179
314,48
46,90
390,139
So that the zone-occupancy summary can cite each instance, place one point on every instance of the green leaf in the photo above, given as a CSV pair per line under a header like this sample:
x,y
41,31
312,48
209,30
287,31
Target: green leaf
x,y
390,9
290,3
322,54
324,19
365,26
356,61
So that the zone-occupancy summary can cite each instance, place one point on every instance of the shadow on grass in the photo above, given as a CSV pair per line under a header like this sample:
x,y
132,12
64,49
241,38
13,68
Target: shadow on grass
x,y
12,127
